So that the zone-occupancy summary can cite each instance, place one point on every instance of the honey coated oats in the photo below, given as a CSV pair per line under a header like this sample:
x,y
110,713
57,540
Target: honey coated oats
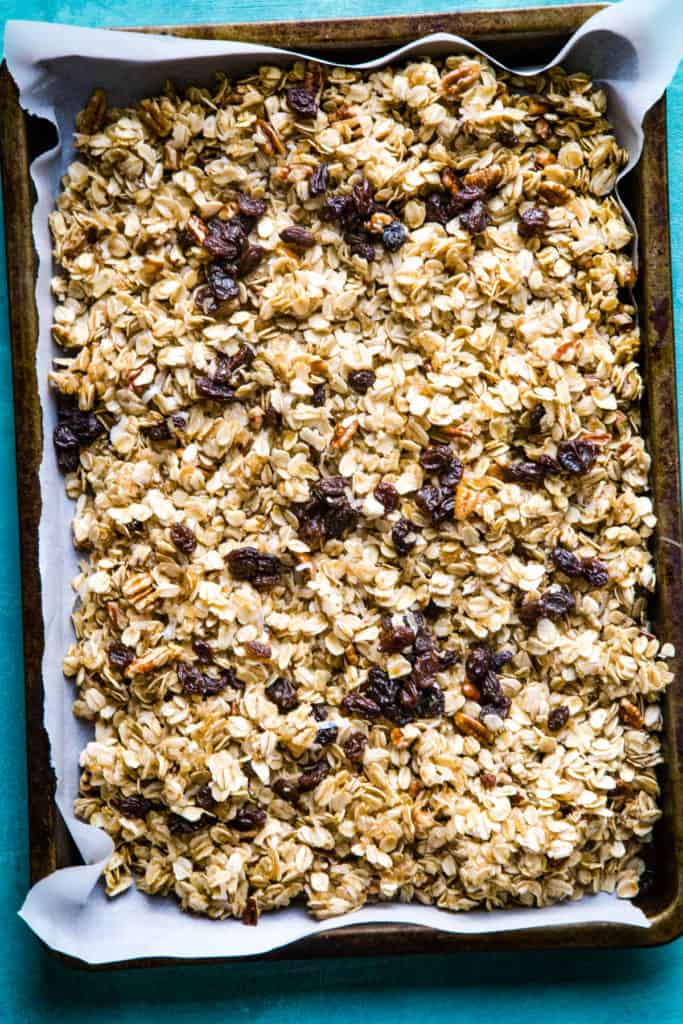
x,y
349,410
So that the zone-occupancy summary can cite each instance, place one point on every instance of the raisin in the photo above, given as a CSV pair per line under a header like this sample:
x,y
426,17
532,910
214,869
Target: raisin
x,y
191,679
120,655
425,668
327,735
436,457
528,472
179,421
476,219
478,664
489,688
328,514
249,818
204,797
394,236
67,448
250,258
363,707
183,538
302,102
535,418
361,380
318,181
558,718
500,659
567,562
158,431
135,806
76,429
272,418
299,238
394,638
506,137
225,240
354,746
529,613
252,208
205,300
283,694
179,826
216,684
258,650
312,776
432,702
363,198
222,282
533,222
203,650
338,207
556,602
286,791
360,245
439,208
467,196
319,396
433,503
594,572
262,571
214,390
319,711
250,912
403,537
409,695
387,495
576,457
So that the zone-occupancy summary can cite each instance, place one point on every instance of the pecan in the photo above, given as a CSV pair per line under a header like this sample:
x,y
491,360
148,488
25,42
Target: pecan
x,y
471,691
140,590
151,660
485,178
92,115
554,193
630,715
154,117
449,179
197,228
273,140
460,79
466,501
343,434
472,727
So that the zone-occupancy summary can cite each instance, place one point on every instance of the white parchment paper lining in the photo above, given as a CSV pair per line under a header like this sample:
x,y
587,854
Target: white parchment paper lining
x,y
633,48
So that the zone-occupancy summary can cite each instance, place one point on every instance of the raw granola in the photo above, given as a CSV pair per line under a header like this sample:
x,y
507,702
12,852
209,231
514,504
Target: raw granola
x,y
349,408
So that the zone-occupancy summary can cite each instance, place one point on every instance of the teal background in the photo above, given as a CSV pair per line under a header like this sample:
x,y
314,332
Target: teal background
x,y
597,987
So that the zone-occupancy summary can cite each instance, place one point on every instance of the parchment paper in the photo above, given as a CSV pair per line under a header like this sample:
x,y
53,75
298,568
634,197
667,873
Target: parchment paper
x,y
633,49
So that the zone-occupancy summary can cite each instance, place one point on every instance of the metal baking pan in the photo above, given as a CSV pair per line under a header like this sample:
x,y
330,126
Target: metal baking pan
x,y
530,36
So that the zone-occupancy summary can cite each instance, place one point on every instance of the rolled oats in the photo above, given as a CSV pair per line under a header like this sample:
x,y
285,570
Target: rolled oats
x,y
280,591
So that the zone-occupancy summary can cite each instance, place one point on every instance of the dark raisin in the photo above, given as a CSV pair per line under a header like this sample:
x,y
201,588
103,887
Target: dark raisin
x,y
214,390
84,425
447,659
529,613
225,240
253,208
403,537
183,538
467,196
299,238
489,688
363,198
328,514
532,222
221,282
203,650
478,664
67,448
272,419
205,300
387,495
432,702
594,572
556,602
250,912
250,258
157,431
337,207
409,695
436,457
536,418
120,655
249,818
213,685
361,380
354,746
311,777
428,499
439,208
394,236
319,396
500,659
179,826
362,707
191,679
550,465
258,650
286,791
476,219
319,711
360,245
451,475
425,668
283,694
302,102
558,718
262,571
528,472
135,806
204,797
327,734
395,637
576,457
179,421
566,561
318,181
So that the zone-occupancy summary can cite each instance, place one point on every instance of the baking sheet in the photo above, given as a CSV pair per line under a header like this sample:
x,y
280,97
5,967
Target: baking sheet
x,y
56,68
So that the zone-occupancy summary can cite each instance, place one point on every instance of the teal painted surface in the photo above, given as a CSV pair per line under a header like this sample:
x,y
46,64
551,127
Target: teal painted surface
x,y
599,988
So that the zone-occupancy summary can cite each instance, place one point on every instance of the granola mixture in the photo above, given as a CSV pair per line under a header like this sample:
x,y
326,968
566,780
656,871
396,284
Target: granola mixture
x,y
349,408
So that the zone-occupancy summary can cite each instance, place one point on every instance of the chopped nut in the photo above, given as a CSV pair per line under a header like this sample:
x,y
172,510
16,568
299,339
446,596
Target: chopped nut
x,y
343,434
92,116
460,79
554,193
472,727
486,178
466,501
630,715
